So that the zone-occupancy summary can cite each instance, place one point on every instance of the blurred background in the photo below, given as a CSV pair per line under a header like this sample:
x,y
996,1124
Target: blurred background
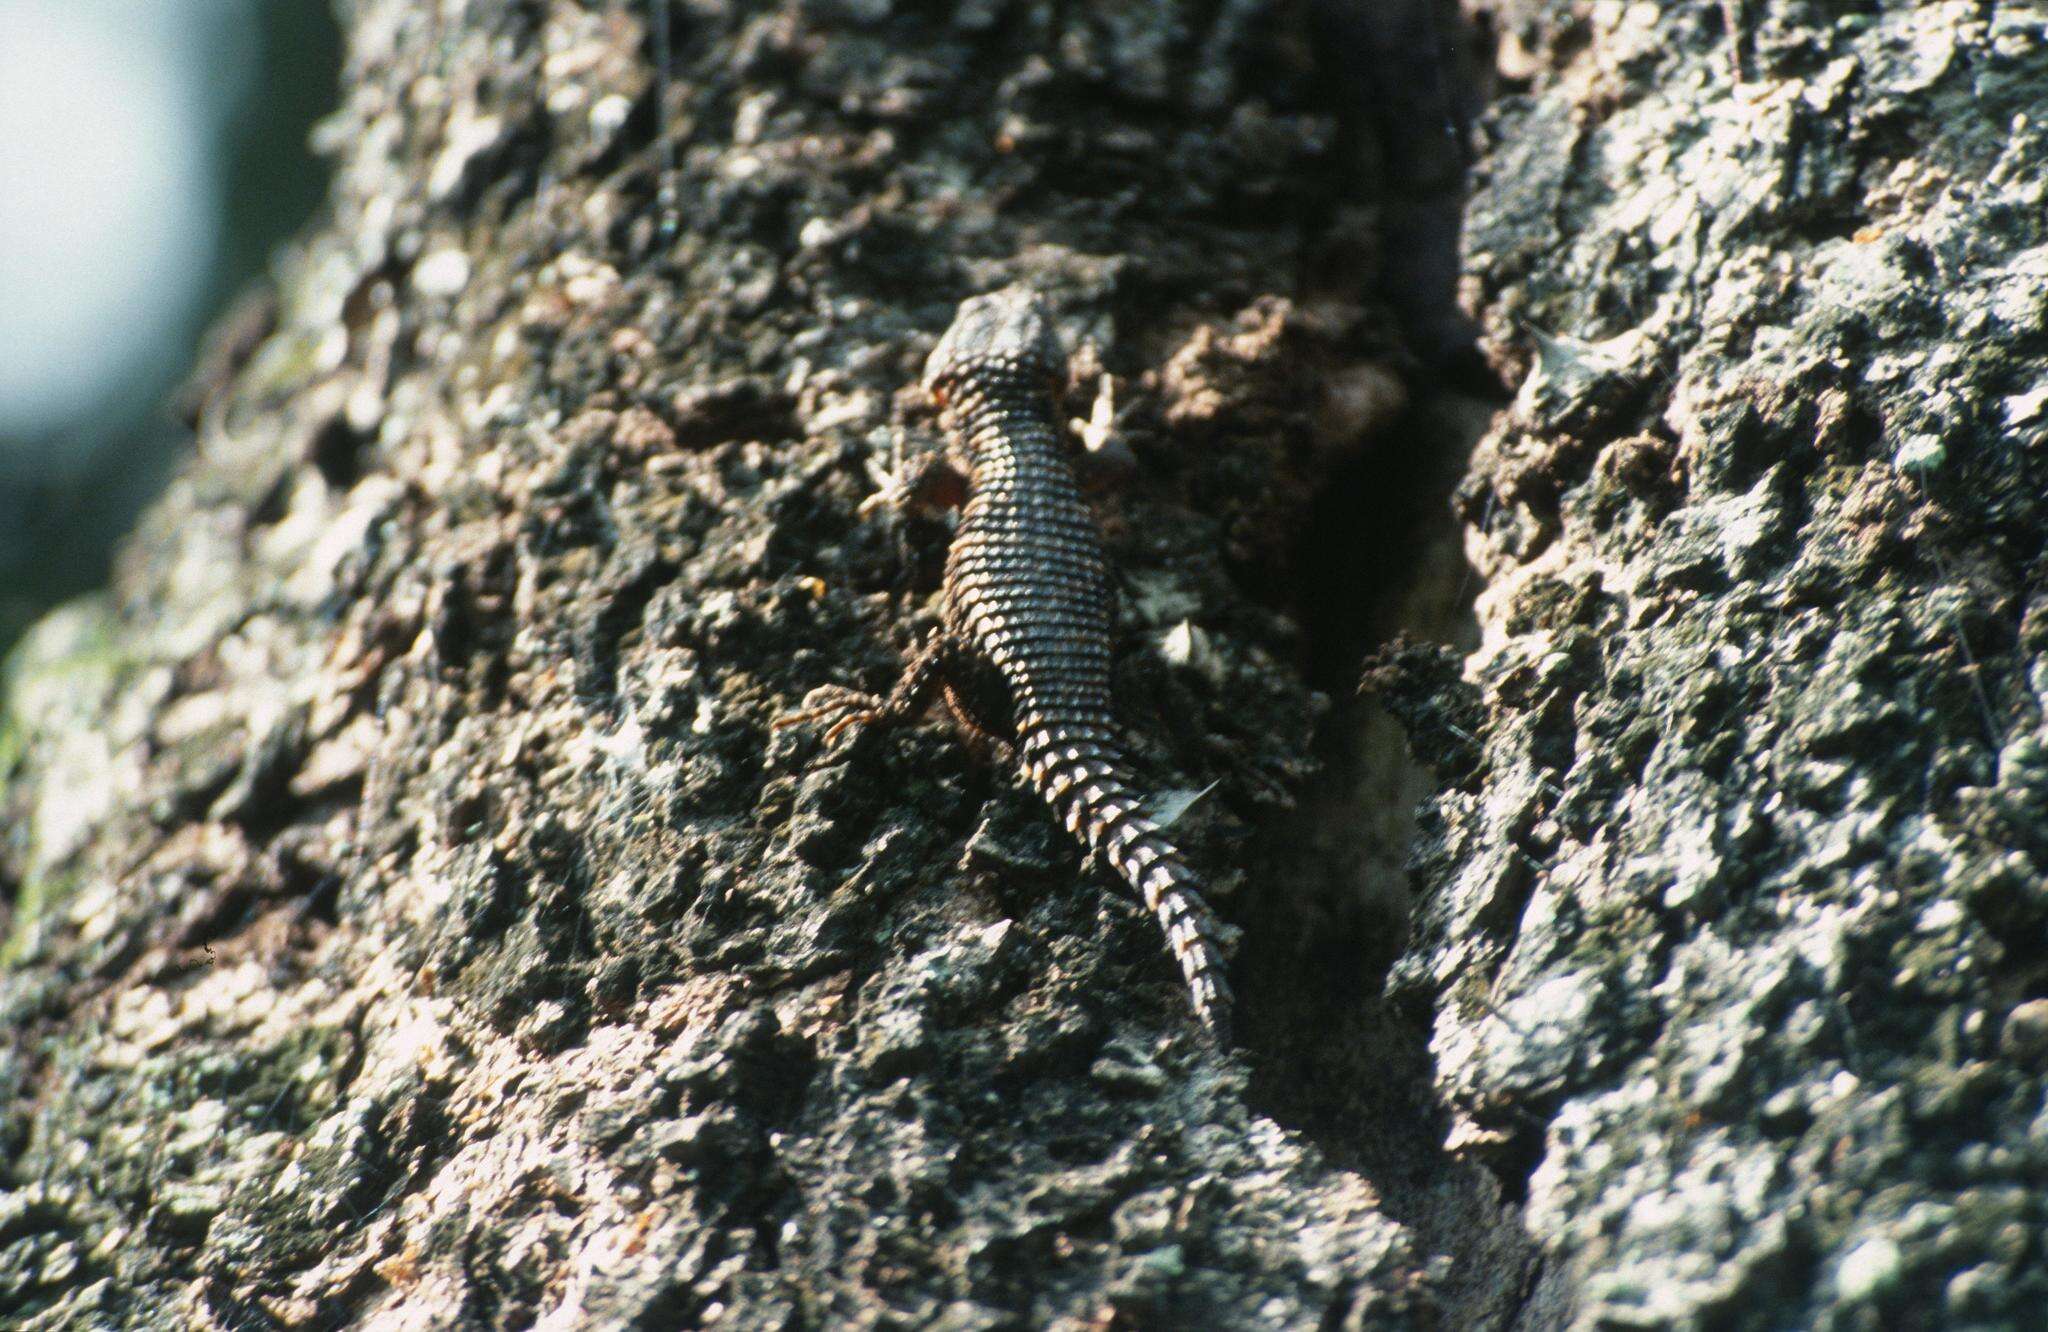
x,y
152,154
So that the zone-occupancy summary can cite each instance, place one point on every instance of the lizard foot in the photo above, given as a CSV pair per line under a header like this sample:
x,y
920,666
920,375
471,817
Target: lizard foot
x,y
844,707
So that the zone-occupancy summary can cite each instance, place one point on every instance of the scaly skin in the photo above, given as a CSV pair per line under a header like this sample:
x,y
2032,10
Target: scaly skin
x,y
1023,648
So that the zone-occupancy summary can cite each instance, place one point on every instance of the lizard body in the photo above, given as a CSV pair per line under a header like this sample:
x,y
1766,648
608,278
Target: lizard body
x,y
1022,653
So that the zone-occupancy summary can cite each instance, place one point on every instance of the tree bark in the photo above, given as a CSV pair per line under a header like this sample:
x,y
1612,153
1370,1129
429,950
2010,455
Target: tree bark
x,y
417,921
1735,910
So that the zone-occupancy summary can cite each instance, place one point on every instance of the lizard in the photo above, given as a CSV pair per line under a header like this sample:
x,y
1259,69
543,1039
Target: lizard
x,y
1022,651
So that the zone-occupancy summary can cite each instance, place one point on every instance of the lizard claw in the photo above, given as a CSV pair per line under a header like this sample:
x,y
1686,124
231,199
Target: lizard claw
x,y
844,707
890,491
892,495
928,484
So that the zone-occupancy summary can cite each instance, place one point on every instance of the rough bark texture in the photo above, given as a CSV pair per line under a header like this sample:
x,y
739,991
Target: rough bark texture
x,y
414,920
1737,912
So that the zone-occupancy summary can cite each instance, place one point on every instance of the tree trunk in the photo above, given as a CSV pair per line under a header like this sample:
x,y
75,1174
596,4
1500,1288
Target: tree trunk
x,y
418,921
1736,902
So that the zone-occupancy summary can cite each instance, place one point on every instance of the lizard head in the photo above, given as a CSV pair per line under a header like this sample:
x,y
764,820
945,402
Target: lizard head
x,y
1004,330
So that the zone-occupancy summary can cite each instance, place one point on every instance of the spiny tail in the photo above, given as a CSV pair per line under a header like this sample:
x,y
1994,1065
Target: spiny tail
x,y
1080,770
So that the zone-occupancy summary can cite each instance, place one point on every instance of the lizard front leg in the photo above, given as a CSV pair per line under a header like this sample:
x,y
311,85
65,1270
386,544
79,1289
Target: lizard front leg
x,y
930,481
852,707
